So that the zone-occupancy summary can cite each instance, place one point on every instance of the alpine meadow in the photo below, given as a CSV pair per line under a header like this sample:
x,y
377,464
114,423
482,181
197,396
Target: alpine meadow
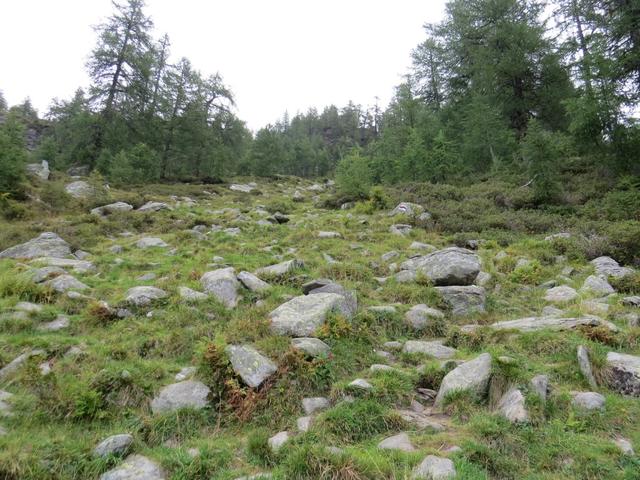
x,y
443,287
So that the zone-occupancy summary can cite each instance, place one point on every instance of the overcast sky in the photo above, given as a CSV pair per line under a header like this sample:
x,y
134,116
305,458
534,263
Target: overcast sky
x,y
276,55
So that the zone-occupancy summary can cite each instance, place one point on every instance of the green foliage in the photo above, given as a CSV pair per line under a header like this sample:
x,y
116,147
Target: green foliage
x,y
137,165
353,177
541,151
13,156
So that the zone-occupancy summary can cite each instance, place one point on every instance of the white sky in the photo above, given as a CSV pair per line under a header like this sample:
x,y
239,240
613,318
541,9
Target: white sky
x,y
276,55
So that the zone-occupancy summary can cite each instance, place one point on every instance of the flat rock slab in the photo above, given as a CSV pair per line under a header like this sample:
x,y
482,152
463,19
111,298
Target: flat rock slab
x,y
433,348
64,283
114,445
473,375
607,266
588,401
464,300
144,295
136,467
303,315
560,294
154,207
279,269
47,244
512,406
151,242
400,442
253,367
60,323
15,364
187,394
191,295
223,285
434,468
313,347
532,324
451,266
77,266
242,188
112,208
624,373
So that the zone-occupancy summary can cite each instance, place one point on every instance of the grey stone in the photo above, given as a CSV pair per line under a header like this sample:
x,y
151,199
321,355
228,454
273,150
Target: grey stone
x,y
147,277
253,367
585,365
400,229
512,406
407,208
151,242
483,279
420,420
434,468
28,307
315,404
242,188
77,266
303,315
186,394
389,256
609,267
451,266
540,385
223,285
350,304
313,347
561,294
47,244
400,442
361,384
136,467
433,348
323,234
625,446
376,367
114,445
185,373
190,295
623,373
421,316
278,440
473,375
39,170
394,345
154,207
597,285
532,324
112,208
405,276
633,301
63,283
588,401
144,295
280,269
422,246
315,284
60,323
304,423
253,283
14,365
80,189
551,311
39,275
464,300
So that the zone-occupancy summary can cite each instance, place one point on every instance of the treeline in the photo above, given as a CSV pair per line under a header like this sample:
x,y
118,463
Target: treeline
x,y
497,86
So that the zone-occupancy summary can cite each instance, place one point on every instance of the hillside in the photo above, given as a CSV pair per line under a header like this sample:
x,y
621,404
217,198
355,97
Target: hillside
x,y
269,330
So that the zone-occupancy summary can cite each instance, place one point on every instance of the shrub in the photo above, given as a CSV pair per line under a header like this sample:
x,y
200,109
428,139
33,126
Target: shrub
x,y
353,176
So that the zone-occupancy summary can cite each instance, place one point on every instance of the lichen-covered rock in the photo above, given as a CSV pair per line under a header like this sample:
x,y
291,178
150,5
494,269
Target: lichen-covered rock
x,y
407,208
114,445
279,269
278,440
623,373
186,394
191,295
473,375
532,324
433,348
303,315
144,295
607,266
315,404
540,385
223,285
464,300
451,266
421,316
588,401
63,283
434,468
253,367
136,467
560,294
253,283
313,347
350,306
47,244
39,170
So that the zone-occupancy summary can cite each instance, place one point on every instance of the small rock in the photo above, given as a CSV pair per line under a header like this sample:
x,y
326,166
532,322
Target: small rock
x,y
434,468
512,406
253,283
304,423
361,384
433,348
400,442
278,440
588,401
223,285
597,285
313,347
151,242
585,366
561,294
187,394
421,316
144,295
253,367
625,446
315,404
114,445
190,295
136,467
540,385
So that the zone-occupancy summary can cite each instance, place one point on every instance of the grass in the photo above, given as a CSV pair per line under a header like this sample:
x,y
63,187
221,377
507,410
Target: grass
x,y
58,419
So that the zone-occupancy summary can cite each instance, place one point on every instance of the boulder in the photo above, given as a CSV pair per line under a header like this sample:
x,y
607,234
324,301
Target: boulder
x,y
39,170
253,283
315,284
303,315
47,244
223,285
588,401
112,208
434,468
421,316
313,347
80,189
242,188
136,467
315,404
114,445
144,295
278,440
407,208
607,266
151,242
434,349
191,295
597,285
512,406
400,229
585,365
473,375
623,373
39,275
451,266
63,283
280,269
400,442
532,324
253,367
350,306
464,300
540,385
154,207
560,294
186,394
